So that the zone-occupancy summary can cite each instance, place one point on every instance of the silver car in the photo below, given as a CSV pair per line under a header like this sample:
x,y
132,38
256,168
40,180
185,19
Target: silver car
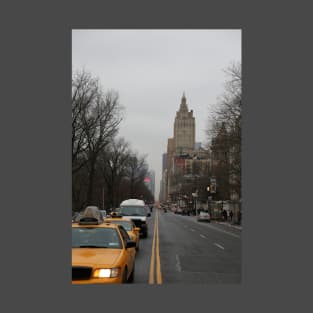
x,y
204,217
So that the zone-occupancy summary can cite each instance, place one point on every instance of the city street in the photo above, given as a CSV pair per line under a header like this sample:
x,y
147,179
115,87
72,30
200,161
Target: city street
x,y
178,146
181,250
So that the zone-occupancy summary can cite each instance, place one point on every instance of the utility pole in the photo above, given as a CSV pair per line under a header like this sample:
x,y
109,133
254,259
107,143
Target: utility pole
x,y
195,195
102,198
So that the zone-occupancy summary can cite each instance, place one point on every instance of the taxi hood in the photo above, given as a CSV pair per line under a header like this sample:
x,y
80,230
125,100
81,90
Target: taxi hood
x,y
95,256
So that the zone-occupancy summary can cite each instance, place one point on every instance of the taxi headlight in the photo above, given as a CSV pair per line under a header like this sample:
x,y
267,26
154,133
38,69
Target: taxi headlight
x,y
106,272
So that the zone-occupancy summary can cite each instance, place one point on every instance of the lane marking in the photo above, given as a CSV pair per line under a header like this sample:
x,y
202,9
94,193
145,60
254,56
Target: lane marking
x,y
178,263
221,247
220,230
202,236
155,255
158,264
151,272
209,225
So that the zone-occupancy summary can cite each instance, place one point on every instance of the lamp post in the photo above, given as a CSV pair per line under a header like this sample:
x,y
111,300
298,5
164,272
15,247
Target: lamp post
x,y
102,198
209,200
195,195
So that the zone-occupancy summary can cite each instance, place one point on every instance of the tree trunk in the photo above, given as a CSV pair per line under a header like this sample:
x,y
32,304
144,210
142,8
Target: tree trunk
x,y
91,180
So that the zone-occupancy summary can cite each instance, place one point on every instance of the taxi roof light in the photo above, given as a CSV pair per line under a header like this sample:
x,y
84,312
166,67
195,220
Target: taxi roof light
x,y
116,215
91,216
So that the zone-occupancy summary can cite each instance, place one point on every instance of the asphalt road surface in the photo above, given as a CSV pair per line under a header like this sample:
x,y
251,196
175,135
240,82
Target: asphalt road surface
x,y
180,250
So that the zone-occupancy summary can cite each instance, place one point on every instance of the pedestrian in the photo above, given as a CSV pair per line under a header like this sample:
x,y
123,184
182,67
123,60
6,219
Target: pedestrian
x,y
224,215
231,215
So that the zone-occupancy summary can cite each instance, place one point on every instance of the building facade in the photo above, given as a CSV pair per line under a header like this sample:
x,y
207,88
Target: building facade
x,y
184,129
186,159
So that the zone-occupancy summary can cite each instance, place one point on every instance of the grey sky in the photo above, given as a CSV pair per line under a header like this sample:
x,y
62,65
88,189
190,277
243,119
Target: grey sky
x,y
151,69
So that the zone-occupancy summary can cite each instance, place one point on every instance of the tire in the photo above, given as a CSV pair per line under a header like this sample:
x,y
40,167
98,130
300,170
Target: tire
x,y
124,280
132,276
144,233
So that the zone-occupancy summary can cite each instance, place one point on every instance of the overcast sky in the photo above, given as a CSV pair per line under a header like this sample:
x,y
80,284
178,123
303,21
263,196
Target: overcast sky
x,y
150,69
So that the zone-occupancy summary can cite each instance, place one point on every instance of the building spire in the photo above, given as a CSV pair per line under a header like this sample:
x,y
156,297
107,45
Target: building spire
x,y
183,105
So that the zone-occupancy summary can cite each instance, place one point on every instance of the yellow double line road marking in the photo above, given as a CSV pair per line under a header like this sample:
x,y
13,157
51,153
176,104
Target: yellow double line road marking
x,y
155,255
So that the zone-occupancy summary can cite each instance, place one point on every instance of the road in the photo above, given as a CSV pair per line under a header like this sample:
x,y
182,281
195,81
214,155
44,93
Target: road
x,y
180,250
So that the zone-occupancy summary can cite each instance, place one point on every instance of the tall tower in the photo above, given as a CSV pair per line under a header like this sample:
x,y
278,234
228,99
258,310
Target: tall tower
x,y
184,129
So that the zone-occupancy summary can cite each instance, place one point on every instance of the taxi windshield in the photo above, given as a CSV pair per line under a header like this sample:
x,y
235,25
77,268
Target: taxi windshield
x,y
133,211
95,237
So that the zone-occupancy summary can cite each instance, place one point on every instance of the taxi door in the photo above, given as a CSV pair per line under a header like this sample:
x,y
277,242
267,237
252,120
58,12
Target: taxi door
x,y
130,252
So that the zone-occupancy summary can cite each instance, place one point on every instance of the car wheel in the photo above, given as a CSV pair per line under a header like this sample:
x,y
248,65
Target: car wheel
x,y
132,276
124,281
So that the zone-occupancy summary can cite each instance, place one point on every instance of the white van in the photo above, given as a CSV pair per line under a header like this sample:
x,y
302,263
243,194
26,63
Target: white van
x,y
136,210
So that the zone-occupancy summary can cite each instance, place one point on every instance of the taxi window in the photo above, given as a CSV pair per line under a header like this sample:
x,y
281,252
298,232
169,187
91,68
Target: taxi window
x,y
96,237
124,234
133,210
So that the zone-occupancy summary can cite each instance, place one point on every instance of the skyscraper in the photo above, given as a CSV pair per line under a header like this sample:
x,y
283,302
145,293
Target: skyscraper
x,y
184,129
179,147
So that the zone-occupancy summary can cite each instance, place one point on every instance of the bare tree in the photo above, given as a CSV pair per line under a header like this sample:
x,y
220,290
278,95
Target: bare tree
x,y
84,93
95,120
137,169
113,165
101,126
225,132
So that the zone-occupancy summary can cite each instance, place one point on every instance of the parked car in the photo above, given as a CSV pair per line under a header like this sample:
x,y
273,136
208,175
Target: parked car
x,y
179,211
104,213
204,217
76,217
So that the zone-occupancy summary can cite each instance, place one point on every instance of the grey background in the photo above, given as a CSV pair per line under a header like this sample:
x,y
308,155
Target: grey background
x,y
35,155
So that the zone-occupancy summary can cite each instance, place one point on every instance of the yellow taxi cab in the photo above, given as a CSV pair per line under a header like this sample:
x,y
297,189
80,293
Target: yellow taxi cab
x,y
128,224
102,252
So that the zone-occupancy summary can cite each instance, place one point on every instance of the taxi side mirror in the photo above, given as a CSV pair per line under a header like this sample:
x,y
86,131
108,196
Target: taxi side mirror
x,y
148,214
137,229
130,244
